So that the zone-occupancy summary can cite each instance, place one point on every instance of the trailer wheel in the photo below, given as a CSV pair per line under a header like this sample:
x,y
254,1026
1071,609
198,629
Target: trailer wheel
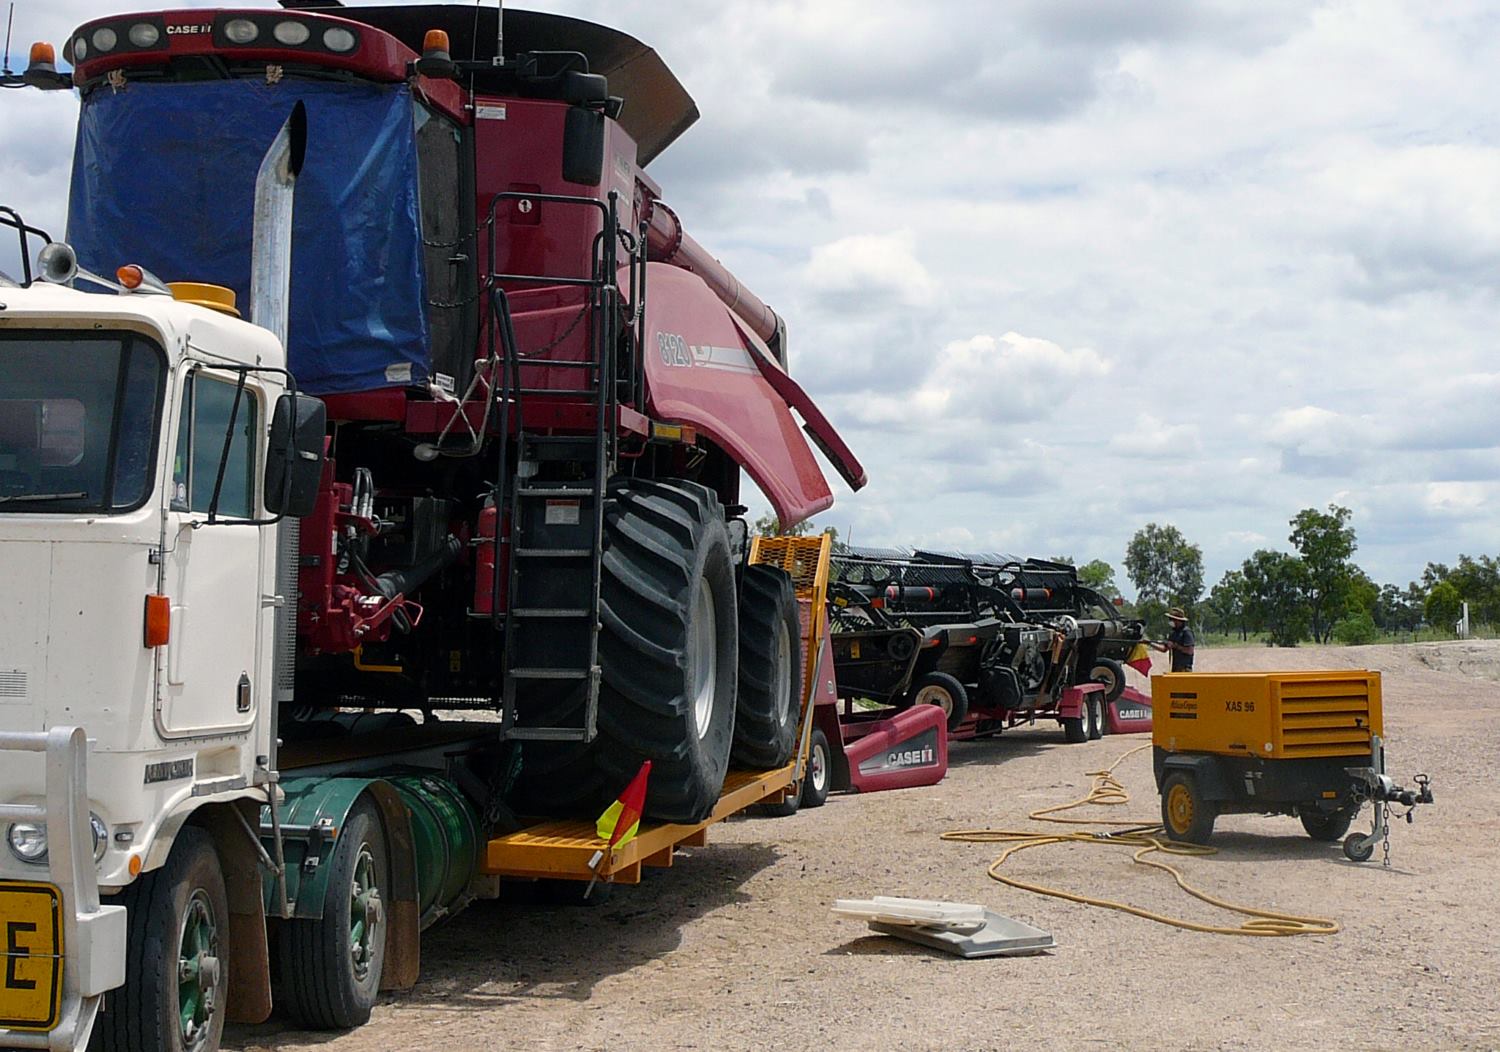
x,y
177,955
1356,850
787,806
1076,728
1325,826
330,967
1112,674
1185,814
947,693
1095,705
668,647
816,781
770,672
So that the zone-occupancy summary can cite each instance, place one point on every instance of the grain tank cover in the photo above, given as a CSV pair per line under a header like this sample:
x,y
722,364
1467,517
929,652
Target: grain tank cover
x,y
657,107
146,190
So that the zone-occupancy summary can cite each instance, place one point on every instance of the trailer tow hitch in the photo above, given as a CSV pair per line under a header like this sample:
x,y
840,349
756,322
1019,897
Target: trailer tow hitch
x,y
1374,785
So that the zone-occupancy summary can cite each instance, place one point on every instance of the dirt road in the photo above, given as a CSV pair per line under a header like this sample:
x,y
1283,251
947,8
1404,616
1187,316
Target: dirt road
x,y
734,948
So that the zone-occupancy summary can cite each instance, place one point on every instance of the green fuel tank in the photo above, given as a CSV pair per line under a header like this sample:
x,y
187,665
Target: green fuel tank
x,y
448,841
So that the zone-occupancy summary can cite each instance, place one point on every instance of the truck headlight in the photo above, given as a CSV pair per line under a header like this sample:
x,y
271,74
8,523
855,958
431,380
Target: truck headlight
x,y
28,841
241,31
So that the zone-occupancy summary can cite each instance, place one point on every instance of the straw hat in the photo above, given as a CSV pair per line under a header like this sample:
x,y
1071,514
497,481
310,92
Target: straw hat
x,y
1176,614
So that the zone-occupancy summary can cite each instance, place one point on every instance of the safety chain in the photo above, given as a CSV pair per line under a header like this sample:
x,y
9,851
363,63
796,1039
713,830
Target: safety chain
x,y
1386,845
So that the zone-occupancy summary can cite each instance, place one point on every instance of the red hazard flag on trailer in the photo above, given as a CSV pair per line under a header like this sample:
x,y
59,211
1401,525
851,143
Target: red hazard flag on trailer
x,y
1140,659
621,819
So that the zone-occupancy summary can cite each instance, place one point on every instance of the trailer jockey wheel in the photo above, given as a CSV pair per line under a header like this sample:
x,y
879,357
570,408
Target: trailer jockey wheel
x,y
331,966
1185,814
947,693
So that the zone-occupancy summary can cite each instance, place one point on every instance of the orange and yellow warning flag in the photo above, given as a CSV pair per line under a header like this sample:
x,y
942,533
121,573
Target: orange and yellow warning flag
x,y
1140,659
622,819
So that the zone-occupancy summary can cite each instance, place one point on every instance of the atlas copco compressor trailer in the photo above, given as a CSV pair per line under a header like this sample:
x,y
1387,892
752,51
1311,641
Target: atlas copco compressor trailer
x,y
486,457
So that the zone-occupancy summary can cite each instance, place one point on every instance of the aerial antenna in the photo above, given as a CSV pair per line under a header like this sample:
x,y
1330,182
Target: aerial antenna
x,y
9,21
500,32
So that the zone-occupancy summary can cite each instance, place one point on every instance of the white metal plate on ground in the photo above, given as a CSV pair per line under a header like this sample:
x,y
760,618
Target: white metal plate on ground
x,y
1000,937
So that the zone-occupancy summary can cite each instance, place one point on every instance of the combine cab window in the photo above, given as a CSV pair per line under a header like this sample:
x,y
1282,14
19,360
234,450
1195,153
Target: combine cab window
x,y
78,421
207,406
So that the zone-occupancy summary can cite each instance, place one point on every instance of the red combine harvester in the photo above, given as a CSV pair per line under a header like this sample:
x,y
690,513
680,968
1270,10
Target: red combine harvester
x,y
541,391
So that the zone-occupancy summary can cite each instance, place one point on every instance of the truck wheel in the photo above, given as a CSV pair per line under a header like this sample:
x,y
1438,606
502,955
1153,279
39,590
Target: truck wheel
x,y
1112,674
330,967
947,693
770,673
819,774
1327,827
177,956
668,647
1355,851
1185,814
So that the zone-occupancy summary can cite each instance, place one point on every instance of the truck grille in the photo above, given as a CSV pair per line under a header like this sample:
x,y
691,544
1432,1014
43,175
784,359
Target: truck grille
x,y
1330,717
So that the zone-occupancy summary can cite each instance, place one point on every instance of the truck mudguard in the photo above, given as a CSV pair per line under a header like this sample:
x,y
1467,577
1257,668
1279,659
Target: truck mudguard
x,y
146,191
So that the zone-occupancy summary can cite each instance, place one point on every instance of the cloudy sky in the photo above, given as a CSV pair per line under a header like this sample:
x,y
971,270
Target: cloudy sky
x,y
1061,268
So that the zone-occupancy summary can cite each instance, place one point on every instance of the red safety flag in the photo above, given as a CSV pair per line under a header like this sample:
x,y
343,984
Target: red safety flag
x,y
1140,659
620,821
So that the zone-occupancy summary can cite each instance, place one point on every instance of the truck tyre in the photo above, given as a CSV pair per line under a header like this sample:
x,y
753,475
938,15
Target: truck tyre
x,y
177,956
1185,815
947,693
1111,673
1325,826
668,646
819,775
768,706
330,967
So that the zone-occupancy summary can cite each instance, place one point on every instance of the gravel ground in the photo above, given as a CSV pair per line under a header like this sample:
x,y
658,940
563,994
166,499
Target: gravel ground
x,y
735,946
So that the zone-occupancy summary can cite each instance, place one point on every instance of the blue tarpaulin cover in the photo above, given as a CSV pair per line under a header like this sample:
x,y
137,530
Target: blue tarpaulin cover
x,y
164,176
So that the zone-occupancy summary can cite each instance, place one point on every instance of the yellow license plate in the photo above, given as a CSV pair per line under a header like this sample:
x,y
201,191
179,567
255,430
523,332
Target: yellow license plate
x,y
31,940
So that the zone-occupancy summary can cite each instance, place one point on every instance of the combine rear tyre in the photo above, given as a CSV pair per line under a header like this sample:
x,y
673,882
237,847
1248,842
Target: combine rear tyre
x,y
770,687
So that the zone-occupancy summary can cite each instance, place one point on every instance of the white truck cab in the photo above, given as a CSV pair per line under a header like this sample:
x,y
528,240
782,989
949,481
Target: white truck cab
x,y
148,448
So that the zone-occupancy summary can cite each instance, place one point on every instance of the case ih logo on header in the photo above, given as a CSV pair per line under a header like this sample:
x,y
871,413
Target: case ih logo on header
x,y
191,30
918,751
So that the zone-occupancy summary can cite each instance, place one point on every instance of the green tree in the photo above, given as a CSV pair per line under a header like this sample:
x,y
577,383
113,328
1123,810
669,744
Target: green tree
x,y
1325,541
1356,628
769,526
1166,569
1397,610
1275,583
1230,604
1443,606
1100,576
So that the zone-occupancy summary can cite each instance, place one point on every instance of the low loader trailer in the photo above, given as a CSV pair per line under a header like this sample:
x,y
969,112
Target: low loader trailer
x,y
1292,743
321,615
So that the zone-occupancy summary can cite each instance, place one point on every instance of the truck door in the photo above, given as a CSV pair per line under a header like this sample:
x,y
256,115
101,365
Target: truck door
x,y
213,572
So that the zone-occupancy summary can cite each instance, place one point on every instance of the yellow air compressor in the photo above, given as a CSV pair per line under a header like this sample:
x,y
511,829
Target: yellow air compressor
x,y
1294,743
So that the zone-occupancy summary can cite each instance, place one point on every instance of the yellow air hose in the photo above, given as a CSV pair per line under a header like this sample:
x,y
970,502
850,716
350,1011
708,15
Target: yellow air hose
x,y
1147,838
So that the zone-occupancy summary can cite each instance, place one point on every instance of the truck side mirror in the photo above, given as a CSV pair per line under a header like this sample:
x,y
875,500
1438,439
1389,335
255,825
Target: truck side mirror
x,y
294,460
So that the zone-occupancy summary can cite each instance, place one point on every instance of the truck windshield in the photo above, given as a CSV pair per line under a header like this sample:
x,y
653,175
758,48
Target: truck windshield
x,y
78,421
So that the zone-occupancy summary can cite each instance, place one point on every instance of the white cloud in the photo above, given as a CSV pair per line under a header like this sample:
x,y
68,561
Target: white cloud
x,y
870,266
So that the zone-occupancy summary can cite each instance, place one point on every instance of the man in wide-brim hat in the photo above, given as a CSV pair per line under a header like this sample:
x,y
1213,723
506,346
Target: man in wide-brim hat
x,y
1179,642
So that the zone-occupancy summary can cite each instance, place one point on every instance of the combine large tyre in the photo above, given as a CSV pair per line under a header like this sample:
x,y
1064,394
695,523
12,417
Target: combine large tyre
x,y
668,647
770,686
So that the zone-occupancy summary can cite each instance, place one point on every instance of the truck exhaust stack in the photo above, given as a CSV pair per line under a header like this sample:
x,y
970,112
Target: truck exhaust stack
x,y
271,246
